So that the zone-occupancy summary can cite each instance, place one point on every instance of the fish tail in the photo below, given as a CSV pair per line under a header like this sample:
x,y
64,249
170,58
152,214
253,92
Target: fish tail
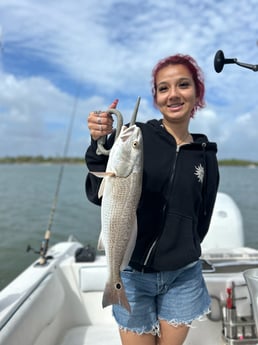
x,y
115,294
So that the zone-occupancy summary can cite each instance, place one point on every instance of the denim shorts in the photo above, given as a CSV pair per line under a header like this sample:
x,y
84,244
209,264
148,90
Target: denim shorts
x,y
178,297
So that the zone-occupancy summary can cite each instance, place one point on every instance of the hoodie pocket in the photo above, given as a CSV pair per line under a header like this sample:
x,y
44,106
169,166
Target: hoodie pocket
x,y
179,242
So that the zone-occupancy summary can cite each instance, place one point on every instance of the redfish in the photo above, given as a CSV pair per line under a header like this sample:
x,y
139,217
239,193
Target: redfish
x,y
120,190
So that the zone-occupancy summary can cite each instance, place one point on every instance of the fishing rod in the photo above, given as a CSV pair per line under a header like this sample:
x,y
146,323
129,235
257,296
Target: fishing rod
x,y
220,61
45,243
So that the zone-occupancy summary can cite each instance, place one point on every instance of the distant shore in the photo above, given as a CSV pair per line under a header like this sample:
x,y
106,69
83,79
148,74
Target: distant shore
x,y
41,160
80,160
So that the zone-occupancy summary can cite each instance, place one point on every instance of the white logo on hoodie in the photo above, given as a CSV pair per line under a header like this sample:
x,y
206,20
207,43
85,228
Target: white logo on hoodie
x,y
199,172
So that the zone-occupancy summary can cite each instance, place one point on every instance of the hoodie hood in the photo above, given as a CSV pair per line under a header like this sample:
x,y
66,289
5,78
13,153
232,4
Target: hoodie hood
x,y
198,138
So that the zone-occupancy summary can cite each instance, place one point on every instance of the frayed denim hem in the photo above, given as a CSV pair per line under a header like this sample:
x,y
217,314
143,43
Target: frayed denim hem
x,y
188,323
154,331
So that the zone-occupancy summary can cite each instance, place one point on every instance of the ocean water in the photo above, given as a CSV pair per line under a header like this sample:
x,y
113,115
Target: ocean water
x,y
27,192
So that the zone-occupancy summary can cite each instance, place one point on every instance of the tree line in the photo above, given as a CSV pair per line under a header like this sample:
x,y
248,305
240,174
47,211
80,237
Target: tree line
x,y
79,160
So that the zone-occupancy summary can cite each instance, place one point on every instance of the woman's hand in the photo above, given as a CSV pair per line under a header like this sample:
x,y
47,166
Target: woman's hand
x,y
101,123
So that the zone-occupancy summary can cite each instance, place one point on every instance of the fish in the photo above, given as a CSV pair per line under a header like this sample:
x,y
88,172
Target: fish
x,y
120,190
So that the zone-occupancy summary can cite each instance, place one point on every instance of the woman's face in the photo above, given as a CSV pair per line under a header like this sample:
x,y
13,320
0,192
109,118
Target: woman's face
x,y
175,93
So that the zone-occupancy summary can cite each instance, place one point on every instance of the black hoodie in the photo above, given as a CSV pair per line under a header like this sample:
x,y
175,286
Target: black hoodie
x,y
178,195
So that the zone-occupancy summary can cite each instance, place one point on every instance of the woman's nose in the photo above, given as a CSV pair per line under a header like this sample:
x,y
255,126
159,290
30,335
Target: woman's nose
x,y
173,92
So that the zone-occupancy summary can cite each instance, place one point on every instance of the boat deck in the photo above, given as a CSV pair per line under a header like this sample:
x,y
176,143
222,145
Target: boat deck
x,y
61,303
92,335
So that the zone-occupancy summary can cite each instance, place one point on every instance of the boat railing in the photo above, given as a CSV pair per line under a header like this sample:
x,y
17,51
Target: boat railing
x,y
237,329
237,306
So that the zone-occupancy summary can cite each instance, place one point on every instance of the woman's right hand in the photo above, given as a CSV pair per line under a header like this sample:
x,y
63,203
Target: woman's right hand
x,y
101,123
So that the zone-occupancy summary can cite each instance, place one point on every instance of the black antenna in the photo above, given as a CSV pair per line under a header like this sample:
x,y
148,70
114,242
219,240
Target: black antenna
x,y
220,61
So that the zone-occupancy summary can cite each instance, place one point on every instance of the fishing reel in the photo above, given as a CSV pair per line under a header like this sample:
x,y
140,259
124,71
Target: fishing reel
x,y
220,61
42,251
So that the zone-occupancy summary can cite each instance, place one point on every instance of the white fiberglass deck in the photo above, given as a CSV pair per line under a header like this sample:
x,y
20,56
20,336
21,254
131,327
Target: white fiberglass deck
x,y
60,304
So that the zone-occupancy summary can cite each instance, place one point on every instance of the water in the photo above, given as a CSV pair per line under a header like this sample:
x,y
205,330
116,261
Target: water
x,y
27,193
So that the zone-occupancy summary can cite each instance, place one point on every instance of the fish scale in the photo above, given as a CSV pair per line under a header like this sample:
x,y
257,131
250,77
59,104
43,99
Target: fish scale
x,y
122,203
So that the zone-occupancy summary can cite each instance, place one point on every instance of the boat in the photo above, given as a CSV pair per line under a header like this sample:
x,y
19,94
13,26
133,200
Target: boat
x,y
59,302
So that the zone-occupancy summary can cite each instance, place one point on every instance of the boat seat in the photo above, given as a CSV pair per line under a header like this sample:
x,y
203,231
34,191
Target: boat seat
x,y
92,278
100,327
92,335
91,283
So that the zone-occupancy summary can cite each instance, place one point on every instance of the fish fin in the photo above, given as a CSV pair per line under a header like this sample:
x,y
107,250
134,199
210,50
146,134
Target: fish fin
x,y
115,294
101,189
100,246
103,174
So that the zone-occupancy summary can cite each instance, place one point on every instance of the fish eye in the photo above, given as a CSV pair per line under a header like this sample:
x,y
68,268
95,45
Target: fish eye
x,y
135,144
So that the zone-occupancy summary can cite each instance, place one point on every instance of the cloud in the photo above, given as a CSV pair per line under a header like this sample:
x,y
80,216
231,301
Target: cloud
x,y
107,50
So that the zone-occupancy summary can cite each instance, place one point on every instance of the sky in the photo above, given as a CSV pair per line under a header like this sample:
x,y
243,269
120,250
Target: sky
x,y
62,59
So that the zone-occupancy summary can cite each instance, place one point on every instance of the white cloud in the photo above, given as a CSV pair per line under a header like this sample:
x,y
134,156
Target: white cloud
x,y
109,48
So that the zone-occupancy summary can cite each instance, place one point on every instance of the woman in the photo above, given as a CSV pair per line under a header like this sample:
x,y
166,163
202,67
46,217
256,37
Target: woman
x,y
164,283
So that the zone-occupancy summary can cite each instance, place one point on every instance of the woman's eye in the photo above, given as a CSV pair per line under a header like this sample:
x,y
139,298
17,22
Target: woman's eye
x,y
162,88
184,84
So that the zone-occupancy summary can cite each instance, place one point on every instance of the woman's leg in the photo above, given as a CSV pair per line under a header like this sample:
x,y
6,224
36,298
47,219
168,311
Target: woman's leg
x,y
169,335
172,335
132,338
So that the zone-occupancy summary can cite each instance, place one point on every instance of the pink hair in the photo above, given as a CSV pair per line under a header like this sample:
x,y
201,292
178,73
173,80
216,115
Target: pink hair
x,y
193,68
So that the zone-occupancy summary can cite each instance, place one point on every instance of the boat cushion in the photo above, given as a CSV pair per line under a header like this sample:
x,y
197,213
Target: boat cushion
x,y
92,278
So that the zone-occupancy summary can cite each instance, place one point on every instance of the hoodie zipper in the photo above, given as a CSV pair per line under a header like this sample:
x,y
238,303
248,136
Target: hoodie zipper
x,y
164,211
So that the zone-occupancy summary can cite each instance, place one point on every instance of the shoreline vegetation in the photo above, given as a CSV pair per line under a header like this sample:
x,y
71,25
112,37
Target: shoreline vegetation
x,y
79,160
41,160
